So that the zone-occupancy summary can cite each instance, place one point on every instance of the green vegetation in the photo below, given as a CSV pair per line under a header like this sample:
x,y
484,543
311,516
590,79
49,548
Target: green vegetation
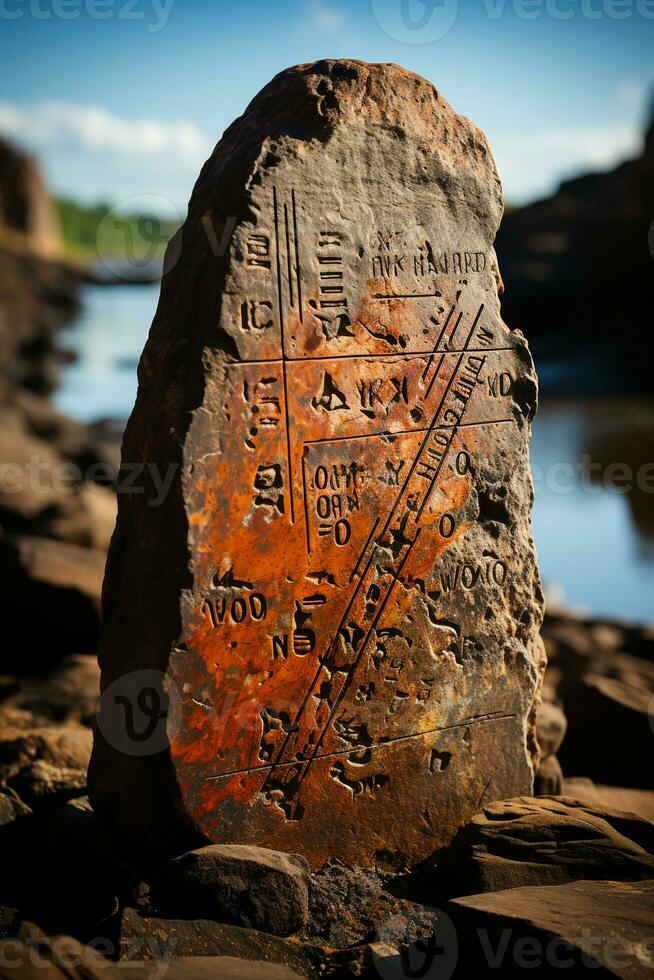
x,y
97,231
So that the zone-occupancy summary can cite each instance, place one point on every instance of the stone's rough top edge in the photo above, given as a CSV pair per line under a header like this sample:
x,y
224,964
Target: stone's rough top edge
x,y
311,100
245,855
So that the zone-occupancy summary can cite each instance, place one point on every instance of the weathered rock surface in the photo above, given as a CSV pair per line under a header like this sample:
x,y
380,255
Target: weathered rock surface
x,y
602,673
34,955
551,726
616,708
207,968
37,297
247,886
56,588
604,927
68,693
37,294
144,937
547,841
45,765
52,471
337,600
27,213
33,496
549,777
11,808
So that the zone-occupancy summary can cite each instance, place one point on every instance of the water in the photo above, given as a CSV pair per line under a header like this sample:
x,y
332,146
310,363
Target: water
x,y
593,524
107,338
595,541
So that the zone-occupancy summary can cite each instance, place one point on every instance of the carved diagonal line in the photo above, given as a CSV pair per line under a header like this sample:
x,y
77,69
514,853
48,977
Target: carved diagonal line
x,y
437,344
280,300
352,671
464,723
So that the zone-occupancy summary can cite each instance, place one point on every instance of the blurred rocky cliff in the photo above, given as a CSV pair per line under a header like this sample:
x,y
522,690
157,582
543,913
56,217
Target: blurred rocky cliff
x,y
55,520
38,291
579,271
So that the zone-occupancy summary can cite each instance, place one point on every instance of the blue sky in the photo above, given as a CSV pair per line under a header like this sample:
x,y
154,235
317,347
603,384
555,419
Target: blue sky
x,y
127,97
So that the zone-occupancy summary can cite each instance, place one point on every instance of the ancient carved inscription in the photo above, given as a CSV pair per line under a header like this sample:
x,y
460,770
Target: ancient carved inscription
x,y
361,617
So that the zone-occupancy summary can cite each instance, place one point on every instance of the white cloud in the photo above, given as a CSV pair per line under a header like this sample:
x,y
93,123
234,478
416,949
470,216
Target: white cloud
x,y
631,96
591,146
324,17
532,165
90,152
95,128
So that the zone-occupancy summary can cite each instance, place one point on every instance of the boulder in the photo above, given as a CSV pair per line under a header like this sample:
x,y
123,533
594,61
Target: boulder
x,y
35,956
248,886
27,213
602,675
39,489
55,587
11,808
68,693
55,479
638,801
36,298
147,937
547,841
100,506
551,725
337,598
32,954
81,444
603,927
208,968
38,293
549,778
45,765
609,722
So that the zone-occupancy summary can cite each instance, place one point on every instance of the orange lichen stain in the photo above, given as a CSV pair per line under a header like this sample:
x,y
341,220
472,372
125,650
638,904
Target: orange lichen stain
x,y
263,684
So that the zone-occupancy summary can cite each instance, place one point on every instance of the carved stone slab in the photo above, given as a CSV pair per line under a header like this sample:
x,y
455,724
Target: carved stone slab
x,y
339,590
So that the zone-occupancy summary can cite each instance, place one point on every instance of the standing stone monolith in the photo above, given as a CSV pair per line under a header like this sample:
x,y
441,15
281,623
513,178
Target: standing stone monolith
x,y
322,605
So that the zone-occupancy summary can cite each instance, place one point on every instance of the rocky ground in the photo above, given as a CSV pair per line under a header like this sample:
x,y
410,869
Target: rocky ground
x,y
569,872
